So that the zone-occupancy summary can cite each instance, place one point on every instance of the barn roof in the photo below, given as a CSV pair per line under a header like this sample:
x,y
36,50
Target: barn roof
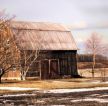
x,y
43,35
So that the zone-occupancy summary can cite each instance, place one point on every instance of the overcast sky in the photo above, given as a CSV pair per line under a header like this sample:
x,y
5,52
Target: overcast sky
x,y
89,14
62,11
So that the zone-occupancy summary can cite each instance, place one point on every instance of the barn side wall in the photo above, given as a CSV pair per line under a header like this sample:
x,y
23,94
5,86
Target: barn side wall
x,y
52,64
12,75
67,61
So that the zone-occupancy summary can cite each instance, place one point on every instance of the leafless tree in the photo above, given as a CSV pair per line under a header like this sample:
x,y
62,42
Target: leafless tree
x,y
27,57
94,45
11,55
8,50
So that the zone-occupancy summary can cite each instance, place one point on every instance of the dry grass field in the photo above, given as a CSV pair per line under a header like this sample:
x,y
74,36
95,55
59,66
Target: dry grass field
x,y
53,84
99,72
86,82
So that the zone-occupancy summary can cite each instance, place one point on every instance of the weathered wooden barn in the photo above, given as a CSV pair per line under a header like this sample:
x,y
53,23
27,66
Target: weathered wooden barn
x,y
58,50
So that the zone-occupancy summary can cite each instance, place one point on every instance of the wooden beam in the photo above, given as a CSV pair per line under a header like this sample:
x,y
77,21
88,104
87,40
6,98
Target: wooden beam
x,y
40,70
58,66
49,65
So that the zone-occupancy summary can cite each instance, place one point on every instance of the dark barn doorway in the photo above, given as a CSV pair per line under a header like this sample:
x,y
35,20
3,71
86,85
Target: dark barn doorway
x,y
50,69
54,69
44,69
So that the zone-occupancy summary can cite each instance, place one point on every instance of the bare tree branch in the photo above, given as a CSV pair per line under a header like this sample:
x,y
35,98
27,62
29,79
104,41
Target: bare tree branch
x,y
94,45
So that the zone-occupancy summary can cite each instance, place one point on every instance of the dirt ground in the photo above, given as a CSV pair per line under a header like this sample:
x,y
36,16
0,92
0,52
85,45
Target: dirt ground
x,y
34,98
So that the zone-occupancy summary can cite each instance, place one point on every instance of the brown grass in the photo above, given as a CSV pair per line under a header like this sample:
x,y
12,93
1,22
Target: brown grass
x,y
54,84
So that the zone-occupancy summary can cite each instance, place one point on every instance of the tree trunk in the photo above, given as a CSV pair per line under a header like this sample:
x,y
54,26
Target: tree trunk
x,y
103,74
2,72
93,65
92,72
0,79
23,76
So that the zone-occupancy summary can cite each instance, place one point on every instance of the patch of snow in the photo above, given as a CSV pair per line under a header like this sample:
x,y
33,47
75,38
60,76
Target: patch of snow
x,y
40,101
91,99
17,95
17,88
57,105
95,95
64,99
74,90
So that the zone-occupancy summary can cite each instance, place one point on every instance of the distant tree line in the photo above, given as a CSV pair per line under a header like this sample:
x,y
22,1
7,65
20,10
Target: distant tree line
x,y
89,58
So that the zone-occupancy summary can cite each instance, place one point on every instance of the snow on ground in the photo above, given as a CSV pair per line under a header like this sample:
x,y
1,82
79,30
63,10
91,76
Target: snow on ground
x,y
75,90
17,88
17,95
54,90
91,99
94,95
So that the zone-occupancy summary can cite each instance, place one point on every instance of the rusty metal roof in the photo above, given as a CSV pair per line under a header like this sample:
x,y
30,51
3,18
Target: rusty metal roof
x,y
47,36
39,26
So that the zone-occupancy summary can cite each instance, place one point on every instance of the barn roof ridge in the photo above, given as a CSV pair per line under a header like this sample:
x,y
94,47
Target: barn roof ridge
x,y
39,29
41,26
